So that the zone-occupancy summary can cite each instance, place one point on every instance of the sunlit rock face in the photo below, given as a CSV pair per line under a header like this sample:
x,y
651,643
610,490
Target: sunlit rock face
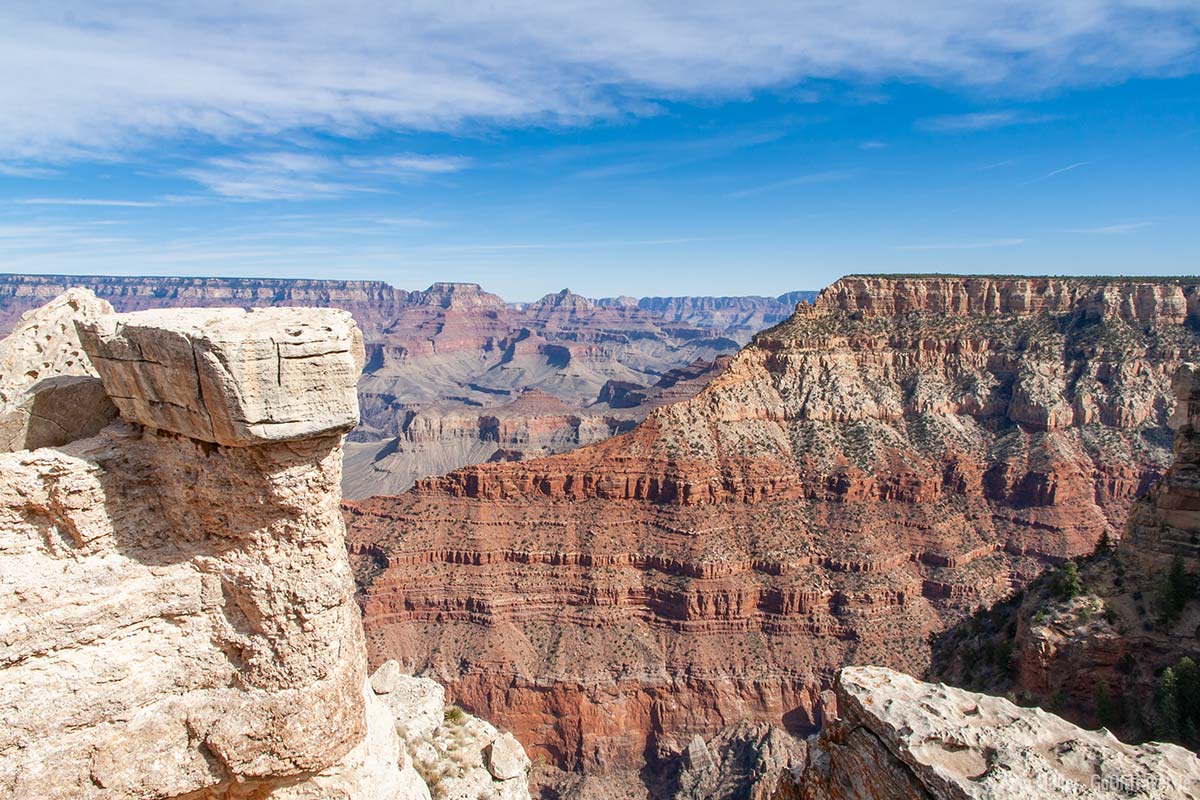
x,y
901,739
176,606
895,455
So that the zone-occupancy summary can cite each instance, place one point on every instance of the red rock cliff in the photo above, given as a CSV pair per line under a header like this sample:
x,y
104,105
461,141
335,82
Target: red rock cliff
x,y
892,456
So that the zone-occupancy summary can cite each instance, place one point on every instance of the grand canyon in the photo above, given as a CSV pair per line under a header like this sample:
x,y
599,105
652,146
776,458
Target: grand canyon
x,y
710,604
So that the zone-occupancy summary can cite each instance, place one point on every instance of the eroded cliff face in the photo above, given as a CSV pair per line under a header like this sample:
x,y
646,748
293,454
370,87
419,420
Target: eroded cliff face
x,y
901,739
868,472
456,351
176,605
1095,649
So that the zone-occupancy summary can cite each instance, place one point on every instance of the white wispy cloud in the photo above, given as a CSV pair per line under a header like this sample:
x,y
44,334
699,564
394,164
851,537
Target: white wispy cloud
x,y
409,164
1068,168
982,121
826,176
92,78
288,175
977,245
1109,230
86,201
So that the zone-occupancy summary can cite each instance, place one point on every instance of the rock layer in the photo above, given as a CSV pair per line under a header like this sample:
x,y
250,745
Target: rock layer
x,y
899,738
894,456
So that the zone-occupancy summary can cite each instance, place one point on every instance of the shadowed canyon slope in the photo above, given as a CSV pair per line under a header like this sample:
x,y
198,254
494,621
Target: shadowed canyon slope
x,y
869,471
448,367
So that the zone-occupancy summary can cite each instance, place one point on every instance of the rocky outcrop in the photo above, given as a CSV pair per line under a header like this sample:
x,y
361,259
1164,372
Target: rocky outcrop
x,y
742,762
1095,648
896,738
458,756
49,392
296,381
852,483
1166,522
176,608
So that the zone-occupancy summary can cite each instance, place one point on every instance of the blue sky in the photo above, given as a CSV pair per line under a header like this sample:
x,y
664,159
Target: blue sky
x,y
617,148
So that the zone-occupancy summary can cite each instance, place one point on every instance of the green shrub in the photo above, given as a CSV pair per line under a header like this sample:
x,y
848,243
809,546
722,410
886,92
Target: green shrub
x,y
1066,581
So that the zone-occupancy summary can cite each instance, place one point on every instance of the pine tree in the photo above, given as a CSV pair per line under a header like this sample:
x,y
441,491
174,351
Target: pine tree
x,y
1066,582
1176,591
1168,706
1104,544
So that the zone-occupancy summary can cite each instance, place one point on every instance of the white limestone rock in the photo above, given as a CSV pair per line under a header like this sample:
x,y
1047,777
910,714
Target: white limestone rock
x,y
231,376
49,392
506,758
419,704
898,737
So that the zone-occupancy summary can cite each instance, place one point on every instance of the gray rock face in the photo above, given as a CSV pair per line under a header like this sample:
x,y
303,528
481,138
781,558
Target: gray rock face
x,y
49,392
744,761
231,376
901,738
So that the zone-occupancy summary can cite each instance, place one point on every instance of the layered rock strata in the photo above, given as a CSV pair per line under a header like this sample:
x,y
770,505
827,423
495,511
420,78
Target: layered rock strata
x,y
899,738
1095,650
894,456
176,605
456,351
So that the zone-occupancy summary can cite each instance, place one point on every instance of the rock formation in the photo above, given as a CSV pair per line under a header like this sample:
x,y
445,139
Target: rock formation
x,y
456,351
868,473
1095,648
899,738
49,392
176,606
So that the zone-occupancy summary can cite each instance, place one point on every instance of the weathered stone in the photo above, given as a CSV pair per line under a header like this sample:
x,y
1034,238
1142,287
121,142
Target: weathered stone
x,y
900,738
386,679
418,704
231,376
506,758
49,392
177,618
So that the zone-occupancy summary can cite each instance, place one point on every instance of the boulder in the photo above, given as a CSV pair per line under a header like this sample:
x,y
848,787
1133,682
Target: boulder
x,y
231,376
49,392
506,758
898,737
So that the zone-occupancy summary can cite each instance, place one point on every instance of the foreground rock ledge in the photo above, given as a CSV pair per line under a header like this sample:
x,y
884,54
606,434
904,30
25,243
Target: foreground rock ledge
x,y
177,615
228,375
900,738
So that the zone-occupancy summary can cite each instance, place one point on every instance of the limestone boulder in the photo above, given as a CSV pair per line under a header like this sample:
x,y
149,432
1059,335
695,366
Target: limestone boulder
x,y
49,392
506,758
418,704
231,376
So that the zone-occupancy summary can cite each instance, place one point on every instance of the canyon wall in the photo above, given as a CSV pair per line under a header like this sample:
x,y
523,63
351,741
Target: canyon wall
x,y
1095,647
176,606
444,362
896,455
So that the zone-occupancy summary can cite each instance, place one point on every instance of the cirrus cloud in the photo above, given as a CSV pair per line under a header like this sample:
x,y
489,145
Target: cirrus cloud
x,y
99,79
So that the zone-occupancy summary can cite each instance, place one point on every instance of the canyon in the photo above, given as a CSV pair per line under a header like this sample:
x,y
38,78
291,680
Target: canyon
x,y
178,616
1095,647
455,375
895,456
